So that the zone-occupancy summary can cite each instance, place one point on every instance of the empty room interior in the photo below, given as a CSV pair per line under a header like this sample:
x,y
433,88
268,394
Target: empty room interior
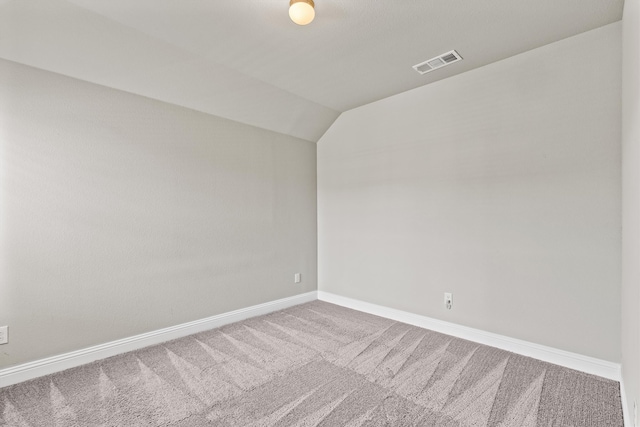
x,y
340,213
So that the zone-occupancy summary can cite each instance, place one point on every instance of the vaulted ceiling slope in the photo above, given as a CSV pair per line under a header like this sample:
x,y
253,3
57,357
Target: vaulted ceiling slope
x,y
246,61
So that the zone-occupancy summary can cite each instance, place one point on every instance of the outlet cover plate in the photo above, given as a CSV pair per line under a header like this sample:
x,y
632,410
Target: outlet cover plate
x,y
4,334
448,300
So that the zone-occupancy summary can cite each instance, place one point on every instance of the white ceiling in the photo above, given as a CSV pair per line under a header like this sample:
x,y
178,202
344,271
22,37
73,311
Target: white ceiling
x,y
246,61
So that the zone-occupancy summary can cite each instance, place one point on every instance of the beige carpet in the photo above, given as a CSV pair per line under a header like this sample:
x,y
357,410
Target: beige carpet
x,y
316,364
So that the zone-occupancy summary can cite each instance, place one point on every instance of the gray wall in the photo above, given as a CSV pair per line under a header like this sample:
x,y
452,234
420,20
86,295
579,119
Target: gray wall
x,y
631,201
121,215
501,185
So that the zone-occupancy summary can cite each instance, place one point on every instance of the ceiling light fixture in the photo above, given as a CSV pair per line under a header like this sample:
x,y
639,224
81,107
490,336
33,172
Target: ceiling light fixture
x,y
301,12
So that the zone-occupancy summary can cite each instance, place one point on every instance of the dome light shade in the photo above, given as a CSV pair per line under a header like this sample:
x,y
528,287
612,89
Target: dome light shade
x,y
301,12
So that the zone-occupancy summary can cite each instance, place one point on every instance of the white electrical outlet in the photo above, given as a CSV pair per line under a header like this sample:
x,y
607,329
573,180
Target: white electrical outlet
x,y
448,300
297,278
4,334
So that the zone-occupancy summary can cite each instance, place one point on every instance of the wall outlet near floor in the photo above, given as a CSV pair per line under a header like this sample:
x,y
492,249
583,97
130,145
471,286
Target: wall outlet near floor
x,y
4,334
297,278
448,300
635,413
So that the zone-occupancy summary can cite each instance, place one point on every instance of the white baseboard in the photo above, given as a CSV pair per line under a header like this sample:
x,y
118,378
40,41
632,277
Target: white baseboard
x,y
628,420
567,359
50,365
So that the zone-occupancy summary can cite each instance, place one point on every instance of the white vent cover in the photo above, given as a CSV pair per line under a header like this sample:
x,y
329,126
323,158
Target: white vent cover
x,y
438,62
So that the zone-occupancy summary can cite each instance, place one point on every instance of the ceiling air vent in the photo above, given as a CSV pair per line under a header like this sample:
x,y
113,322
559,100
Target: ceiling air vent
x,y
438,62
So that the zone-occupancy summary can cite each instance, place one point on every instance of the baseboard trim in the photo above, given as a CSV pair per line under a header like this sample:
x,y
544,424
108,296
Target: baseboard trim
x,y
626,415
564,358
50,365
